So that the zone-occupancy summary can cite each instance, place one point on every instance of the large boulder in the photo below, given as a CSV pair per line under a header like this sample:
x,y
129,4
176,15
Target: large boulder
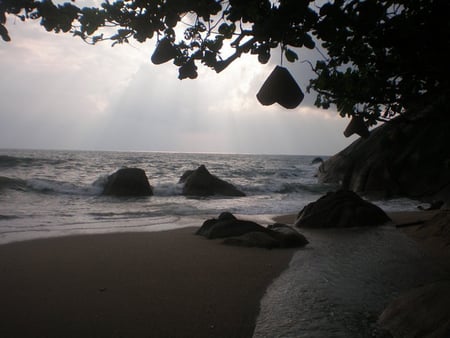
x,y
227,225
420,312
250,234
434,234
254,239
408,156
201,182
340,209
128,182
287,236
185,175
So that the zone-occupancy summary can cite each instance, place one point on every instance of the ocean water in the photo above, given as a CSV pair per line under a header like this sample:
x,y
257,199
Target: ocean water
x,y
53,193
335,287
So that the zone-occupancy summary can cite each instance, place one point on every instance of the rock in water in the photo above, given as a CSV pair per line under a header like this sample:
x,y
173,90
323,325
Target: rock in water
x,y
200,182
185,175
340,209
317,160
128,182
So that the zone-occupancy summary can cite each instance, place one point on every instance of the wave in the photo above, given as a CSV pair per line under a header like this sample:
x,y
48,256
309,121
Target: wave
x,y
7,161
167,189
12,183
284,188
8,217
266,186
47,186
289,188
108,215
12,161
64,188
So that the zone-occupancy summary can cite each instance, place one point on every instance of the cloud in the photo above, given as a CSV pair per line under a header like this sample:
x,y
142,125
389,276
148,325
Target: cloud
x,y
58,92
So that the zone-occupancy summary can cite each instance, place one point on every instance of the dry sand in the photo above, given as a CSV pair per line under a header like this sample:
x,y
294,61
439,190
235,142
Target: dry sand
x,y
161,284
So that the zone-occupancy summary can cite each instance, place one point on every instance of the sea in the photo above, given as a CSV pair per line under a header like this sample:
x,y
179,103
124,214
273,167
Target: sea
x,y
47,193
335,287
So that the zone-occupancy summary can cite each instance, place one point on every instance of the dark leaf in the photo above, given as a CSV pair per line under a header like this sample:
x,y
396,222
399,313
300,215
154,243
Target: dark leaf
x,y
188,70
291,56
308,42
4,33
164,51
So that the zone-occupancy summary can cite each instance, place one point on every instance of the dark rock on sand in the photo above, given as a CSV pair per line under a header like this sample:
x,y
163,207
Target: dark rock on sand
x,y
288,236
222,228
250,234
408,156
340,209
201,182
253,239
420,312
128,182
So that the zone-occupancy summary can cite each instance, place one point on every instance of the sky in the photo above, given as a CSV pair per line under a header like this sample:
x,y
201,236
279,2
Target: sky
x,y
57,92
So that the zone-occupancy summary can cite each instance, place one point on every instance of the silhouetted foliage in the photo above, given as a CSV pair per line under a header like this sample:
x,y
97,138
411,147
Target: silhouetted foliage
x,y
378,57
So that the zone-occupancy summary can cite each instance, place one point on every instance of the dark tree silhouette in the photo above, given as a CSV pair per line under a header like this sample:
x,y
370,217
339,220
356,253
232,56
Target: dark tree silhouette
x,y
379,58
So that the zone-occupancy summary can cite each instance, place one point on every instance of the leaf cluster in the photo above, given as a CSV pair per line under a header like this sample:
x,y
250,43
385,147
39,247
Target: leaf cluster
x,y
379,57
384,56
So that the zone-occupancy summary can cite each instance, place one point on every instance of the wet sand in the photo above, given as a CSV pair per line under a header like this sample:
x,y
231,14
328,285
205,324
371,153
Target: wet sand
x,y
418,225
397,217
160,284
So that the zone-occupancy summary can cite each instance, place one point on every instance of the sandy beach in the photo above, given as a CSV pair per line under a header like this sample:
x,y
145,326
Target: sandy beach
x,y
157,284
160,284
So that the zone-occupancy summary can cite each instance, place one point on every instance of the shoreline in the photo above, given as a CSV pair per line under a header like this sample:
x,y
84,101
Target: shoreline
x,y
397,217
163,284
413,224
167,283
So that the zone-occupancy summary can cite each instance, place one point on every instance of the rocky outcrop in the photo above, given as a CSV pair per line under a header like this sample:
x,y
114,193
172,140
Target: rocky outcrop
x,y
433,235
128,182
340,209
420,312
250,234
201,182
408,156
